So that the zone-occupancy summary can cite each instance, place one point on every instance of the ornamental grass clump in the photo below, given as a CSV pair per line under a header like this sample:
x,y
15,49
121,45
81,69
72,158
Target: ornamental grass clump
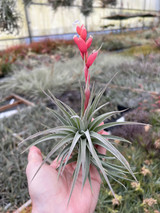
x,y
80,135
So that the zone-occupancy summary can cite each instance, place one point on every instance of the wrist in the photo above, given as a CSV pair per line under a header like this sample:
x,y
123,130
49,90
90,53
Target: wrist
x,y
42,208
47,208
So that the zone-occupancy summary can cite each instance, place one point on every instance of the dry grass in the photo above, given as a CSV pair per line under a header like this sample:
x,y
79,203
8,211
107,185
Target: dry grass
x,y
12,165
59,76
141,74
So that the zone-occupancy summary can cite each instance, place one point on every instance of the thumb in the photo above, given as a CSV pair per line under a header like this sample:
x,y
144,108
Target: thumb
x,y
100,148
34,161
34,155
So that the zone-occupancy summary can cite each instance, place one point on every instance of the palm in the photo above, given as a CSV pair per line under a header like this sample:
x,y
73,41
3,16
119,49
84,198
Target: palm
x,y
47,189
81,200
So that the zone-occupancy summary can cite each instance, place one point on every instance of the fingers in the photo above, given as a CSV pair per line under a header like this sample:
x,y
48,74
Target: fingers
x,y
34,161
101,150
55,164
34,154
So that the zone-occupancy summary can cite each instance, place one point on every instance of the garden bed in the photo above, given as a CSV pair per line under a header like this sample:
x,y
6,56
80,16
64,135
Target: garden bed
x,y
140,154
136,87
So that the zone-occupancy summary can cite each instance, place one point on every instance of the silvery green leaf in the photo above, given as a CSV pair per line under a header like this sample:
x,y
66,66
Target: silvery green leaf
x,y
69,129
73,113
95,111
115,179
105,157
112,137
63,110
118,176
84,160
80,123
113,168
100,140
46,138
93,106
74,142
99,96
62,158
113,124
76,172
55,148
90,182
60,118
64,151
60,107
98,120
96,158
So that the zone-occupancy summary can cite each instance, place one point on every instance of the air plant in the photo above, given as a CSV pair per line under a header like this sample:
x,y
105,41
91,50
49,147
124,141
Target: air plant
x,y
80,135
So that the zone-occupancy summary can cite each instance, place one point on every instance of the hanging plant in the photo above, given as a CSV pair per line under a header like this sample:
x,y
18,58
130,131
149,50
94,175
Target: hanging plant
x,y
9,17
27,2
105,3
87,7
59,3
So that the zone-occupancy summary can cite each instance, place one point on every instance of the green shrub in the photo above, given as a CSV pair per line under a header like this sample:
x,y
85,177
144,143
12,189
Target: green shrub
x,y
142,50
5,68
112,45
142,196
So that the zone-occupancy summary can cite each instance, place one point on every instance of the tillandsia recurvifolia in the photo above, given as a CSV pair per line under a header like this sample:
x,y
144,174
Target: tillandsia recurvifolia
x,y
80,135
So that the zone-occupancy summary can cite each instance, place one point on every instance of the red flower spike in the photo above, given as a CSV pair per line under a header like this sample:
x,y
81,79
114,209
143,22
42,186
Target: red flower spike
x,y
83,34
91,59
86,56
81,44
88,78
86,73
78,29
82,55
87,96
89,42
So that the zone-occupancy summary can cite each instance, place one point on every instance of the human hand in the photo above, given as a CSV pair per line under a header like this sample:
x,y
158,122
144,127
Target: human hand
x,y
50,194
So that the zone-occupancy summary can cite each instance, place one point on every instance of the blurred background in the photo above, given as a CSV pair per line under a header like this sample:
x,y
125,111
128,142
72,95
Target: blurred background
x,y
37,53
39,19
